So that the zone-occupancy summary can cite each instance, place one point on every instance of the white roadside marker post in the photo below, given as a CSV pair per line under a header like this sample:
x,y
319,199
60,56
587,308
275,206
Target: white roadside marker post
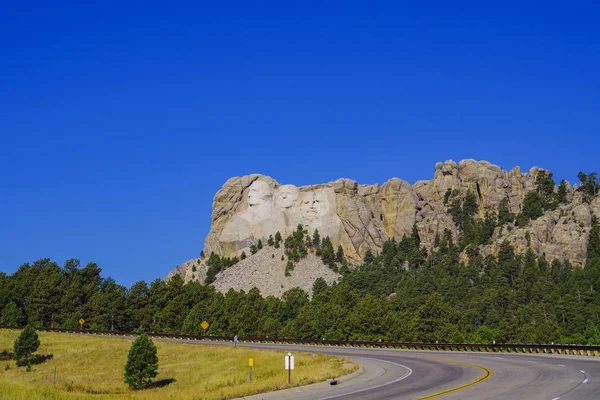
x,y
289,365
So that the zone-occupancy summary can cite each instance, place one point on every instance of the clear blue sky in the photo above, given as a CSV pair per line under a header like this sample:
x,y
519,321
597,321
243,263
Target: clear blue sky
x,y
118,123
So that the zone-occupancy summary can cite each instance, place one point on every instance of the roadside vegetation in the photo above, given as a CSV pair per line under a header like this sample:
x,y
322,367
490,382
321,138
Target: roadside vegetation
x,y
86,367
448,293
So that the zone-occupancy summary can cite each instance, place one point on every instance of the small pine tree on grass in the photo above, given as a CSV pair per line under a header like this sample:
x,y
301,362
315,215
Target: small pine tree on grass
x,y
142,363
25,345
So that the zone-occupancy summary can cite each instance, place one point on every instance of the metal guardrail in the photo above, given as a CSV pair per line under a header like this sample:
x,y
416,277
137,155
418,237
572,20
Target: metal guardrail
x,y
588,350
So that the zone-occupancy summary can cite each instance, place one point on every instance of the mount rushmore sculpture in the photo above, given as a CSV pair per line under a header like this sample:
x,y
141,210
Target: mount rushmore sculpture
x,y
362,217
271,208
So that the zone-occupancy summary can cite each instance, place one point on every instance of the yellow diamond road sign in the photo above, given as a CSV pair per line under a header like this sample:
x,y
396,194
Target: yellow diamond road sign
x,y
204,325
81,321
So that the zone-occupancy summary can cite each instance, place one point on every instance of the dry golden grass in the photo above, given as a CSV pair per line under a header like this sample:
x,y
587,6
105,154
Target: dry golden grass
x,y
86,367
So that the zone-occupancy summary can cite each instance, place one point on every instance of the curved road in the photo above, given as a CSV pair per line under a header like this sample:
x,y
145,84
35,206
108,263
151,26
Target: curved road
x,y
406,374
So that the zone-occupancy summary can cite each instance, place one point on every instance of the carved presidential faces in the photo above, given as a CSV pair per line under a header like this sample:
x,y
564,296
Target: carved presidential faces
x,y
286,196
281,210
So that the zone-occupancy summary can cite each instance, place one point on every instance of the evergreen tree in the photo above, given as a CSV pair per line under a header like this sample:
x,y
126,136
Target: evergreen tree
x,y
436,239
545,188
270,241
288,268
259,245
562,192
44,300
277,239
593,248
106,308
11,315
136,307
589,185
25,345
316,238
215,265
508,263
415,235
319,287
470,205
339,255
327,252
142,363
504,214
456,212
295,247
243,255
369,257
532,208
447,195
431,319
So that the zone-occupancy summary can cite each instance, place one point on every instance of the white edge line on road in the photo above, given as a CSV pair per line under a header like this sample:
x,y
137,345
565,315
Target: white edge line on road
x,y
586,380
406,375
556,398
582,371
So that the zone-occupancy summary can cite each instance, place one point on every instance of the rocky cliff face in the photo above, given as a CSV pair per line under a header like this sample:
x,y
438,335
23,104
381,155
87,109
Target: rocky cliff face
x,y
362,217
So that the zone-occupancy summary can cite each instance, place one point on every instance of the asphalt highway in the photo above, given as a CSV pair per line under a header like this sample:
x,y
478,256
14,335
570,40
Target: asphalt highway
x,y
406,374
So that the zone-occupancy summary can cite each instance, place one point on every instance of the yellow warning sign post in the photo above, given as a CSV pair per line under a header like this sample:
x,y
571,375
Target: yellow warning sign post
x,y
204,326
251,364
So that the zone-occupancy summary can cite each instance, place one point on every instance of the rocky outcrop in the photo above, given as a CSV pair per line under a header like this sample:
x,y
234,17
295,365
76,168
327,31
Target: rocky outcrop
x,y
362,217
560,234
192,270
265,270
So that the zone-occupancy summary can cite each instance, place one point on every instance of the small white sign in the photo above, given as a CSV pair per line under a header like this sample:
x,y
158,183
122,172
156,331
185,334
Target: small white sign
x,y
289,361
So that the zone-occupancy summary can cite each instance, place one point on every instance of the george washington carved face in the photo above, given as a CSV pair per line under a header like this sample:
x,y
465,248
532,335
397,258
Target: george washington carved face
x,y
259,193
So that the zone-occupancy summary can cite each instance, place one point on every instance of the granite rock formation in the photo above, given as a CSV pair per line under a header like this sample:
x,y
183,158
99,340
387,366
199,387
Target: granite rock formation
x,y
362,217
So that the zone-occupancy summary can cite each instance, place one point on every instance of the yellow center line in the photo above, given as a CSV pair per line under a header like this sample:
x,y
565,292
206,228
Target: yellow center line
x,y
487,374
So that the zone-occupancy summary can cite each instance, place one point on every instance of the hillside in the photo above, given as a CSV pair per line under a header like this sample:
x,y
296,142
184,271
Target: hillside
x,y
528,210
264,270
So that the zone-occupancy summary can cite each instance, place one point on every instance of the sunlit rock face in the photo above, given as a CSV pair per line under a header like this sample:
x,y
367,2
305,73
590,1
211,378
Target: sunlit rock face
x,y
266,208
362,217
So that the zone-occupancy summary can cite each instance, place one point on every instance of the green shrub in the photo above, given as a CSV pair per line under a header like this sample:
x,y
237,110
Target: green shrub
x,y
142,363
25,345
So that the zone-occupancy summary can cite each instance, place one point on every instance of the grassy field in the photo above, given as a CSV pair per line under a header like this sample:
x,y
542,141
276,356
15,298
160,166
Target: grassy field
x,y
84,367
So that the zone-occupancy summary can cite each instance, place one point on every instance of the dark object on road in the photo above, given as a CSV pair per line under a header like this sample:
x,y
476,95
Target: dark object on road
x,y
333,382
